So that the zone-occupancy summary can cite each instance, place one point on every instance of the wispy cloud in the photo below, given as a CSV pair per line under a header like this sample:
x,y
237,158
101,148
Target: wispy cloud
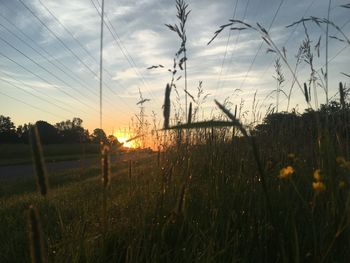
x,y
146,41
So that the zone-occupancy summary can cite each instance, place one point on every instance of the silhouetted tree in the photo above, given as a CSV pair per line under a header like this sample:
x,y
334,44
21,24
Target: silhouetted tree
x,y
7,130
72,131
48,133
98,135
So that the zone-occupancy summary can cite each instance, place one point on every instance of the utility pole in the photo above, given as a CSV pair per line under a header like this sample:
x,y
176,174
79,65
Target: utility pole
x,y
101,62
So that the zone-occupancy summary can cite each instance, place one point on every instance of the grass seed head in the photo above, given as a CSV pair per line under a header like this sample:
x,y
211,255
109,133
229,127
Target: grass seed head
x,y
166,106
35,237
105,166
306,93
38,159
189,120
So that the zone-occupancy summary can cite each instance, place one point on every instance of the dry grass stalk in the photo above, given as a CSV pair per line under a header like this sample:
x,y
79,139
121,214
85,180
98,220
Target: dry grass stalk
x,y
105,166
166,106
342,95
35,237
38,159
306,93
189,120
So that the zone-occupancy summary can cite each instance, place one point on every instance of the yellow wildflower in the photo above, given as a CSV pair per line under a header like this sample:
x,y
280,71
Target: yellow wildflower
x,y
340,160
286,172
343,163
318,186
341,184
317,175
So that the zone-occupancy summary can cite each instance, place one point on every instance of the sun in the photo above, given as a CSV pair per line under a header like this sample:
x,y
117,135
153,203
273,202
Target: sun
x,y
123,137
125,142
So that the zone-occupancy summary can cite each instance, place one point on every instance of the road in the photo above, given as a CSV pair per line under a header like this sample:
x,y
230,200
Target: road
x,y
17,171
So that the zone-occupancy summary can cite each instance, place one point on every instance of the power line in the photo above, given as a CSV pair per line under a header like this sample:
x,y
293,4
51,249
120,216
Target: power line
x,y
227,43
68,48
42,67
290,35
262,42
47,55
53,98
125,53
37,52
30,105
236,41
76,39
304,65
43,79
48,71
101,61
32,94
83,47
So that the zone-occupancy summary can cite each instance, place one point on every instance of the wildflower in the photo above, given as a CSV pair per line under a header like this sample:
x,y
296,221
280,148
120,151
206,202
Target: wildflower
x,y
286,172
317,175
318,187
343,163
340,160
341,184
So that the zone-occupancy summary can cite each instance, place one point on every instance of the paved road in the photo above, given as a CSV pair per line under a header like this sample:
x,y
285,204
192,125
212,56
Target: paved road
x,y
17,171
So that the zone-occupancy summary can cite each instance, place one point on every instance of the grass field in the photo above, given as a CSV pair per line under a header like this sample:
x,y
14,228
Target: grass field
x,y
203,203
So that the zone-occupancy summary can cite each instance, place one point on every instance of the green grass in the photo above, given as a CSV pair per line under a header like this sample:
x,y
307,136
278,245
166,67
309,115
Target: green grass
x,y
223,216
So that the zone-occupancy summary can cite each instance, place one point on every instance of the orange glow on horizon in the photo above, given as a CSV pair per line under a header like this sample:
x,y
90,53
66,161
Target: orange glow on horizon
x,y
123,137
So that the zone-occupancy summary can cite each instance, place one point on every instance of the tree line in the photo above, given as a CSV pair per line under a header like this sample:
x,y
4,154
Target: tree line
x,y
69,131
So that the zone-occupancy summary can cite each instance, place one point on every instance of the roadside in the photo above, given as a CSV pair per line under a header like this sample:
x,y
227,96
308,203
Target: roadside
x,y
11,172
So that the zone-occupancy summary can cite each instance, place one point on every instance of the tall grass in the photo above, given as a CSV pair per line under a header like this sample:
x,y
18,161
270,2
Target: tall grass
x,y
217,190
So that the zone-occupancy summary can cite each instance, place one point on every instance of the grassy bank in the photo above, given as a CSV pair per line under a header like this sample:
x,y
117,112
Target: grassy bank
x,y
203,203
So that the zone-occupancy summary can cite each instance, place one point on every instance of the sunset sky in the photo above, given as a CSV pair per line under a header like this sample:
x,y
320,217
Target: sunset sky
x,y
31,88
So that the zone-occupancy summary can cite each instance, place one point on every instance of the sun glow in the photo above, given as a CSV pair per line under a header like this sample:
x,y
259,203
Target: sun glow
x,y
123,137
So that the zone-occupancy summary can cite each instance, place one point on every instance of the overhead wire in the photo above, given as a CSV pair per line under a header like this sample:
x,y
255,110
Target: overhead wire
x,y
45,69
261,44
235,44
69,49
124,50
50,73
30,105
30,93
227,43
47,57
41,78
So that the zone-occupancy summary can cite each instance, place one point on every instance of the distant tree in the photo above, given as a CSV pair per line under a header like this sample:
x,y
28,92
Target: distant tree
x,y
23,132
98,135
112,140
7,130
48,133
72,131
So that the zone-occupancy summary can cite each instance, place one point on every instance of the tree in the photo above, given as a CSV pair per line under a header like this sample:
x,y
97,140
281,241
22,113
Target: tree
x,y
72,131
7,130
112,140
48,133
99,135
6,124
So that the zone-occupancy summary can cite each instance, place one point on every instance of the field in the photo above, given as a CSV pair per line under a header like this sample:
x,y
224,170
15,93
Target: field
x,y
195,202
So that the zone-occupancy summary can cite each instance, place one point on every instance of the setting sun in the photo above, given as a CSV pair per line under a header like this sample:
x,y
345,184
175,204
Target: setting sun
x,y
123,137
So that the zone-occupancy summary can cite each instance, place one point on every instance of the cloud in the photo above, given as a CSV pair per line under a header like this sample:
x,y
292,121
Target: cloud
x,y
145,41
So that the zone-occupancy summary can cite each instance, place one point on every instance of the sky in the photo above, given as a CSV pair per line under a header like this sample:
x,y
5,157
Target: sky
x,y
49,56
